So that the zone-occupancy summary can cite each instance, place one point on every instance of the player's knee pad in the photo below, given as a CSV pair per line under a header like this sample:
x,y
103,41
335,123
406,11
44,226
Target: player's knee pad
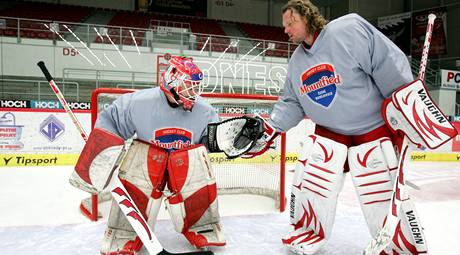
x,y
142,174
144,167
319,180
193,203
372,168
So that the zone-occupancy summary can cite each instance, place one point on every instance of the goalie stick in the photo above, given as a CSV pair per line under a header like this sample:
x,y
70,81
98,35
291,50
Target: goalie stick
x,y
384,237
118,191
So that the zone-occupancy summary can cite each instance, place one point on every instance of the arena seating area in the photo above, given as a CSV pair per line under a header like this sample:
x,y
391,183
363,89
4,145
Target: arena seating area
x,y
268,33
142,20
123,21
131,20
41,11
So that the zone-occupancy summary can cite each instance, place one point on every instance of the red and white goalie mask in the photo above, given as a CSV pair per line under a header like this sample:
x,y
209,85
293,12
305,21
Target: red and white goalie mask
x,y
181,81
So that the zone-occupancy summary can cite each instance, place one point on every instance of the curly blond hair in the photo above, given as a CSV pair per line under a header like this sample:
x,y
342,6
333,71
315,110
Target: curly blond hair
x,y
308,11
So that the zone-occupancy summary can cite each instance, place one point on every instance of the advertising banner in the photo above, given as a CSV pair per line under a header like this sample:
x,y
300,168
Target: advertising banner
x,y
439,38
5,103
40,137
181,7
450,79
55,104
47,137
397,28
43,104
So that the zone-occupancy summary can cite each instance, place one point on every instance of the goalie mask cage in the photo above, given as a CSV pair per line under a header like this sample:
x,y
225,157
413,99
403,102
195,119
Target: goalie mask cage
x,y
262,175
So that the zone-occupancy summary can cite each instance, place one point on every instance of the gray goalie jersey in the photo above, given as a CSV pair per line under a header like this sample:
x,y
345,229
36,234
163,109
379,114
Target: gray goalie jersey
x,y
341,81
147,114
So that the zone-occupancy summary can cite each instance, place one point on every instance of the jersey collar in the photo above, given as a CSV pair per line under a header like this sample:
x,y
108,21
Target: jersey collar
x,y
308,47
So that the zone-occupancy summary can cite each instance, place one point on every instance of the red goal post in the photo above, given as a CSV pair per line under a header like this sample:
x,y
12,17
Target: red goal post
x,y
263,175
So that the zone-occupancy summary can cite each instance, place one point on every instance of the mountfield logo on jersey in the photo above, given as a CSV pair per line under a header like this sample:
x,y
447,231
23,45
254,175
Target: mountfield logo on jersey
x,y
172,138
320,84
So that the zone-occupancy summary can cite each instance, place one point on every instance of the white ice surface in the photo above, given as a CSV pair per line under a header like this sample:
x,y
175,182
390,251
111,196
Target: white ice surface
x,y
39,214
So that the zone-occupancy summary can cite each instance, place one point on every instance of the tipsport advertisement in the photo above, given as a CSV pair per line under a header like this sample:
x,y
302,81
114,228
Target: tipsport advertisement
x,y
40,137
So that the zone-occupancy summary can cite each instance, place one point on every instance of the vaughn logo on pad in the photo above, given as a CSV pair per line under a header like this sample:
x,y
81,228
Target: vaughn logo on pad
x,y
320,84
423,114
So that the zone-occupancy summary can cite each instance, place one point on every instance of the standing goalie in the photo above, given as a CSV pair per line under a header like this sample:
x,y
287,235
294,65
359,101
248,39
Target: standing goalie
x,y
339,76
170,123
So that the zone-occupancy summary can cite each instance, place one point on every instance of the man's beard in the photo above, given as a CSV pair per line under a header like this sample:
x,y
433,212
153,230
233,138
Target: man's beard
x,y
295,40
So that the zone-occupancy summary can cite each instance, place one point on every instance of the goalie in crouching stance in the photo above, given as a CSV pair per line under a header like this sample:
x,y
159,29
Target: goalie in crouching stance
x,y
170,123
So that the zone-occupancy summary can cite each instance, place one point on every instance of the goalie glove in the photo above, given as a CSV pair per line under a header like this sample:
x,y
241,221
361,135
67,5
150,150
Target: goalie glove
x,y
264,143
412,111
234,136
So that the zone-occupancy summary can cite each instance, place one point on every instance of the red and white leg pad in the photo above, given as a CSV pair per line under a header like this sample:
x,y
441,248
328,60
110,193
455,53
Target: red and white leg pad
x,y
319,179
193,203
97,161
296,212
372,167
143,175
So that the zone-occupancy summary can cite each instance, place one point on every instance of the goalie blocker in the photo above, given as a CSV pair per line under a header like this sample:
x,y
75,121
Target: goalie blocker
x,y
411,110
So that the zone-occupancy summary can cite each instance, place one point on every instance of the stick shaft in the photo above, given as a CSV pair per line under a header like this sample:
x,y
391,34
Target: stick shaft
x,y
61,98
384,237
426,46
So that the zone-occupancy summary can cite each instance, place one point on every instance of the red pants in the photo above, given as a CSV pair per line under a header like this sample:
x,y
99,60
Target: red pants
x,y
355,140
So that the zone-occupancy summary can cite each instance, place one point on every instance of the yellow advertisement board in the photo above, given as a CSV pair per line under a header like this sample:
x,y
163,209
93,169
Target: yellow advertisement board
x,y
8,160
14,160
266,158
435,156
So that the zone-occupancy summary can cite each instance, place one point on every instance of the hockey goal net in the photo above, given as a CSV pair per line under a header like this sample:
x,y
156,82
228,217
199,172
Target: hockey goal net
x,y
263,175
